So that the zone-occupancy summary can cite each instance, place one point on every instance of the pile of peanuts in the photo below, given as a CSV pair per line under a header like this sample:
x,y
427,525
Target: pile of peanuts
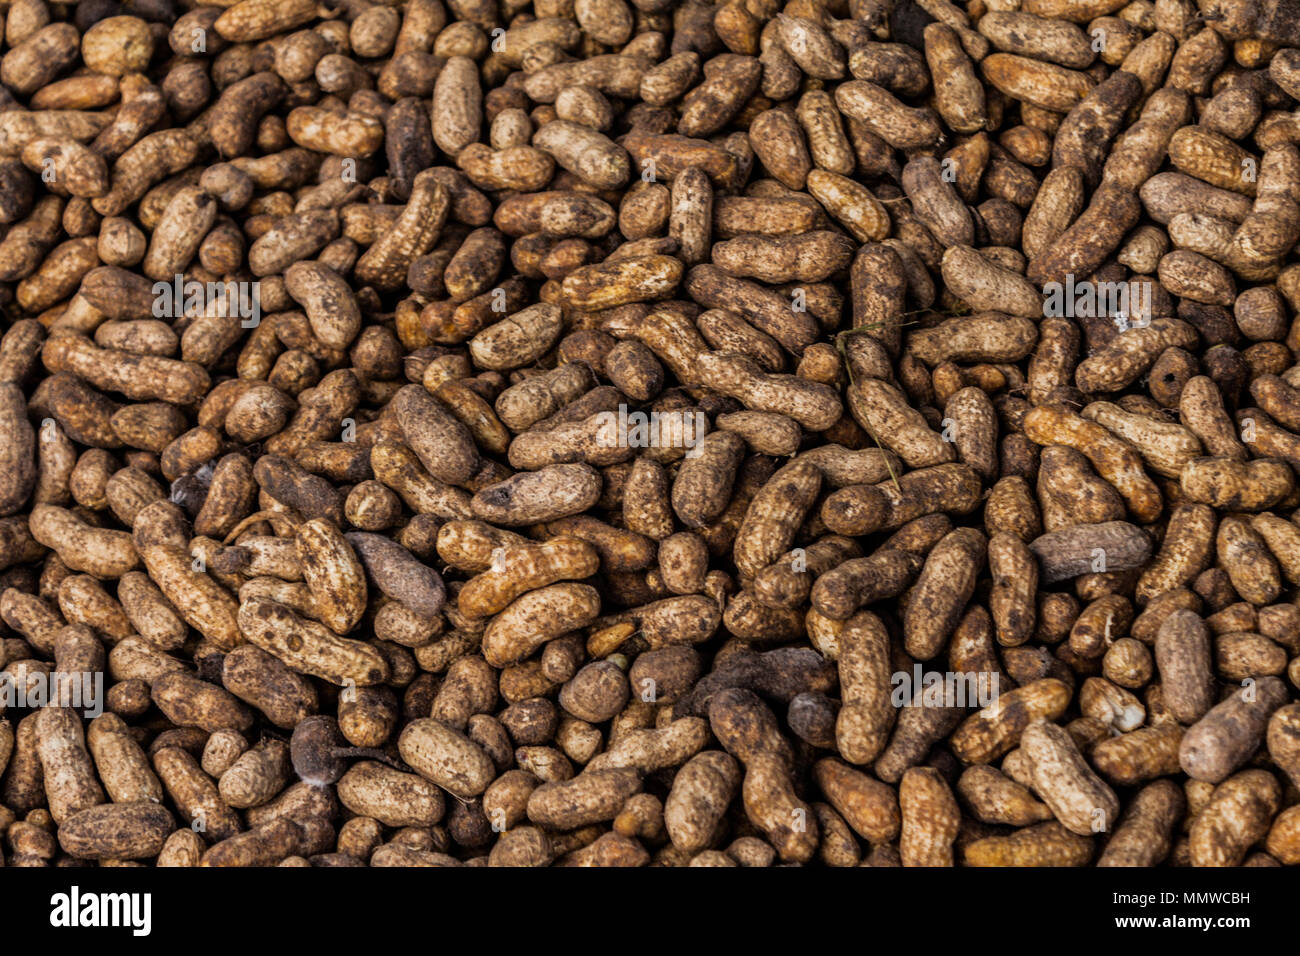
x,y
650,432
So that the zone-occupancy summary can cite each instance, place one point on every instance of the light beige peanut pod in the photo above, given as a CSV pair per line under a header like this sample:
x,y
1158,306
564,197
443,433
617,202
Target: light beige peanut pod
x,y
394,798
585,152
1115,460
222,749
251,20
1225,737
959,96
446,757
385,263
701,792
1041,84
292,238
867,713
117,831
1283,540
885,412
1144,834
591,797
308,647
930,818
1165,446
67,166
810,257
655,749
563,32
471,545
810,46
554,492
537,617
519,167
985,285
270,843
1236,486
900,126
96,551
516,570
195,794
1044,37
851,203
256,776
400,469
347,134
984,337
996,730
622,281
540,396
121,763
177,236
1274,221
141,377
328,301
69,774
20,127
39,58
774,516
1081,801
163,543
939,597
762,215
182,848
333,573
1236,818
814,405
1214,159
135,659
457,110
518,340
690,214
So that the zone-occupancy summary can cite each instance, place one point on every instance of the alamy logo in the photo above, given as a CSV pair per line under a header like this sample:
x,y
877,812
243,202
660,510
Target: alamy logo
x,y
1129,303
75,909
922,688
80,690
677,429
180,298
